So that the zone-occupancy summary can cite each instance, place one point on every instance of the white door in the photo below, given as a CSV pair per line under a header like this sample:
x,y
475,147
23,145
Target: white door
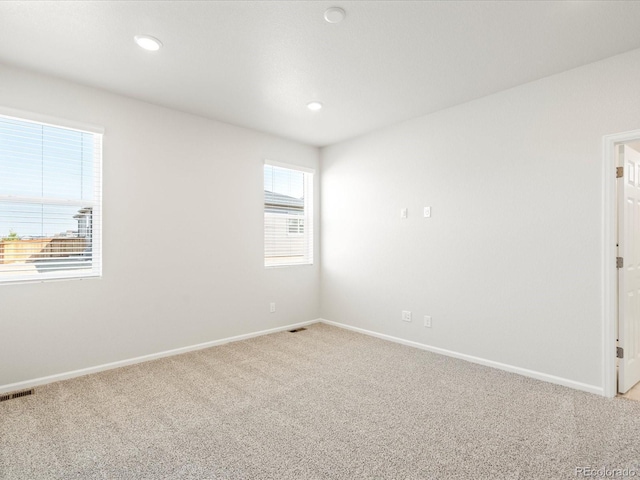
x,y
629,274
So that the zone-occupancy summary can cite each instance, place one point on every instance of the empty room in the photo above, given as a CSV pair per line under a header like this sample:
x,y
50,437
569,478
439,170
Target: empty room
x,y
319,240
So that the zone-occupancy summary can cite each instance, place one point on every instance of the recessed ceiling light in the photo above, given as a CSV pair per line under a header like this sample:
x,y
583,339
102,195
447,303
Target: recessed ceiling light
x,y
314,106
334,15
148,42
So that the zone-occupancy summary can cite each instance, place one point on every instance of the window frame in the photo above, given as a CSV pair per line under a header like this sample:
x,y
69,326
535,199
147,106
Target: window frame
x,y
96,204
308,217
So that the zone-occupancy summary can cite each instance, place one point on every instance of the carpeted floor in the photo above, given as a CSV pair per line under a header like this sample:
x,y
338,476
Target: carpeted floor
x,y
324,403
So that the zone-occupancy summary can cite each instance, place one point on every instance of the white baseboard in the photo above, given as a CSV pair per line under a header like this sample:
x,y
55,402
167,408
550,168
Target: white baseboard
x,y
11,387
481,361
145,358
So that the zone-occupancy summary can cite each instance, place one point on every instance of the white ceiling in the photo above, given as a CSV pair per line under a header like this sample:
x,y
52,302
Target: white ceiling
x,y
258,63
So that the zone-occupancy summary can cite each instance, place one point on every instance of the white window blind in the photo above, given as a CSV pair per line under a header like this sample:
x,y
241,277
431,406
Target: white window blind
x,y
50,201
288,216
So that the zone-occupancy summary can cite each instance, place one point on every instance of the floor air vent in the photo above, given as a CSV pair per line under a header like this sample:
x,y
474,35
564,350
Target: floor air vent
x,y
11,396
296,330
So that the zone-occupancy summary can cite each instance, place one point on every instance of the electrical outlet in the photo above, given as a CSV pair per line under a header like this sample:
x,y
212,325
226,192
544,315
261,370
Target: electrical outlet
x,y
427,321
404,213
272,307
427,212
406,315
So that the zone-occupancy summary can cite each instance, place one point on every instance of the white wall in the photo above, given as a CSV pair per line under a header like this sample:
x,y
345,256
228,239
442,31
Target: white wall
x,y
509,265
167,176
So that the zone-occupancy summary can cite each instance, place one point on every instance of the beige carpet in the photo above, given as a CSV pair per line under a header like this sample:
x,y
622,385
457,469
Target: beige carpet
x,y
324,403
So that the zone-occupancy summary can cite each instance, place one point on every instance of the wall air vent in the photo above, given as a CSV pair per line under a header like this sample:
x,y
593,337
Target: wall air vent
x,y
296,330
10,396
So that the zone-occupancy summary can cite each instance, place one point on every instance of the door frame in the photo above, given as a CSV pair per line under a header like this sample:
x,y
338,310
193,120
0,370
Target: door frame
x,y
609,270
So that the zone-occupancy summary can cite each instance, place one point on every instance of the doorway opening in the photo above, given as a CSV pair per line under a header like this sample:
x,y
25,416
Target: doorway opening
x,y
621,265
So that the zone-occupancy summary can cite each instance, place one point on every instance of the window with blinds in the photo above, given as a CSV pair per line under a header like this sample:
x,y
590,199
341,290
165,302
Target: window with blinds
x,y
288,215
50,201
